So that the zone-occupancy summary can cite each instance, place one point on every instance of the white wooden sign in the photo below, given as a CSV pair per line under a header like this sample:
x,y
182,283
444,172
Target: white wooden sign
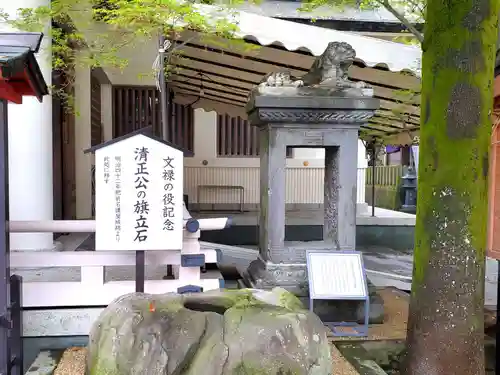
x,y
139,195
336,275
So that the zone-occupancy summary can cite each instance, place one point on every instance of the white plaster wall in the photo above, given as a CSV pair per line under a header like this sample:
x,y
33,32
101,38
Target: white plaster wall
x,y
205,135
30,148
319,154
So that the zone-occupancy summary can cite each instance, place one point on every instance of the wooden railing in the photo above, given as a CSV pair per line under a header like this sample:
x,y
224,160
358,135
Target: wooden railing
x,y
51,287
92,289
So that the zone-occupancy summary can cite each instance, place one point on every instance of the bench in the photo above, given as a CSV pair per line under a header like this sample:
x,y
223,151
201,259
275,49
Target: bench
x,y
240,189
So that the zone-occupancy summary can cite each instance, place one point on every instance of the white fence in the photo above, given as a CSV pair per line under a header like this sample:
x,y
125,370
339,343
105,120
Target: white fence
x,y
45,285
91,289
304,185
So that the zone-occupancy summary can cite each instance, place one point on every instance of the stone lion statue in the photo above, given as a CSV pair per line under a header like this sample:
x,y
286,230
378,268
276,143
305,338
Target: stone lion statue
x,y
328,70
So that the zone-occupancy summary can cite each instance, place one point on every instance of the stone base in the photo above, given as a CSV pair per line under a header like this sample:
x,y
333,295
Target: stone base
x,y
293,277
267,275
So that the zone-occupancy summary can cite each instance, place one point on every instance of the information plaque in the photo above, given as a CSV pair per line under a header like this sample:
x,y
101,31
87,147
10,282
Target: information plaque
x,y
338,275
139,192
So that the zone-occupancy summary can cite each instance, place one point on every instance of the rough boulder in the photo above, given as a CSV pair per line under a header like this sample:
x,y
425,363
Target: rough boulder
x,y
223,332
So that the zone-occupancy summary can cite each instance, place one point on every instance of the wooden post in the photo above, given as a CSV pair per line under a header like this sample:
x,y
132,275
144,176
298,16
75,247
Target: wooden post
x,y
494,205
139,271
494,180
4,245
11,347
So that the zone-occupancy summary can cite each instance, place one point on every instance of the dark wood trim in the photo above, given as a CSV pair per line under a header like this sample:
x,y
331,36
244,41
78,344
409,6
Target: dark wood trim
x,y
236,138
63,158
278,64
199,87
222,99
138,107
211,74
96,129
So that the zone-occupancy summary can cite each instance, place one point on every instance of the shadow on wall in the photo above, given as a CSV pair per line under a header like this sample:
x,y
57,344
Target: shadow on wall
x,y
394,237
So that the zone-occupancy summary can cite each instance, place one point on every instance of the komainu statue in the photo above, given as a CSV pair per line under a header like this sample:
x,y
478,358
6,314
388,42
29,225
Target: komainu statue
x,y
329,71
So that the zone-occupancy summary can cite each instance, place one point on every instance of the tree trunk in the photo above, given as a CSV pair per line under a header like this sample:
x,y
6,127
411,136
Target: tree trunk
x,y
446,322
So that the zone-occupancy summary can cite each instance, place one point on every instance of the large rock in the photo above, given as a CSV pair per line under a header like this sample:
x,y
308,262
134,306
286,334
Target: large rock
x,y
226,332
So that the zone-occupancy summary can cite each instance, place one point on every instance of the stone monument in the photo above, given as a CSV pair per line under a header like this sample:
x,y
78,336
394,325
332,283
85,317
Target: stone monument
x,y
321,109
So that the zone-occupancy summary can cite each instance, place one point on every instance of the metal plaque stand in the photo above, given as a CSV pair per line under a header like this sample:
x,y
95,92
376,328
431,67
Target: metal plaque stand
x,y
355,289
11,348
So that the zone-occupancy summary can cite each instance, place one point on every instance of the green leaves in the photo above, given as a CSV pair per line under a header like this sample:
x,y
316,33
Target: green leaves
x,y
102,28
408,12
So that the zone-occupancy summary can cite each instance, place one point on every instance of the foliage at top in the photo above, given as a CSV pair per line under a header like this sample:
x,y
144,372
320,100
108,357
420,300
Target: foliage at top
x,y
132,21
101,28
408,12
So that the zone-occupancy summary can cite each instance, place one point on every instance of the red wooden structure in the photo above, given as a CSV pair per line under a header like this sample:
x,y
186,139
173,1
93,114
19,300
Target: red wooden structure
x,y
20,76
494,193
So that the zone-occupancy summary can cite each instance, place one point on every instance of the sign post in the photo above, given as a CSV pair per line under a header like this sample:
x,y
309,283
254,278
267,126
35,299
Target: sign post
x,y
139,196
338,275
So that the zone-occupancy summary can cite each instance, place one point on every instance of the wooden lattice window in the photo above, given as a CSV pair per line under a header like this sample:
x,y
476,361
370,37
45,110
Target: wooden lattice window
x,y
237,138
137,107
95,112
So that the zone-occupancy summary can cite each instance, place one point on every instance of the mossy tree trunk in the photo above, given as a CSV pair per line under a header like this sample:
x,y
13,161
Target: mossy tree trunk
x,y
446,327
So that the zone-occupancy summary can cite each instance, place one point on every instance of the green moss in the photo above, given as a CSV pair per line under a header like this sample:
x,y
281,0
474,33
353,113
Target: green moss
x,y
458,162
102,366
166,306
452,206
245,299
248,368
288,300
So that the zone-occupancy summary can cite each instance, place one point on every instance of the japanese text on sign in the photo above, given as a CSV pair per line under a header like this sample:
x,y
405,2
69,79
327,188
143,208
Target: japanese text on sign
x,y
118,192
106,169
139,188
141,207
168,176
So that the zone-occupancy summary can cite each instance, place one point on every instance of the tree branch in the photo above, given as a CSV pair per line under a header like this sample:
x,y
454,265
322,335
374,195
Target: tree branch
x,y
403,20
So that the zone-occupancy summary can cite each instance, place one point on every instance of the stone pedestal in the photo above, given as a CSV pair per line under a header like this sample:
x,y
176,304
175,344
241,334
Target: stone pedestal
x,y
309,121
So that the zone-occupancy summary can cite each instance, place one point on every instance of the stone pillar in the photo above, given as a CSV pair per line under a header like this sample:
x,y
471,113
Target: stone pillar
x,y
339,228
305,121
31,191
331,200
361,205
272,196
348,179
